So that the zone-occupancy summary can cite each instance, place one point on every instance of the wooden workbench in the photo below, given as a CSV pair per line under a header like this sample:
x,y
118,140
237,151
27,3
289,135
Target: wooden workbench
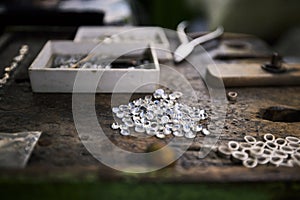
x,y
60,155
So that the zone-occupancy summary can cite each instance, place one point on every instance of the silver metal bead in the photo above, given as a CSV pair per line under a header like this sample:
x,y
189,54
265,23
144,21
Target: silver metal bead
x,y
125,132
160,135
115,109
115,125
178,133
189,135
205,131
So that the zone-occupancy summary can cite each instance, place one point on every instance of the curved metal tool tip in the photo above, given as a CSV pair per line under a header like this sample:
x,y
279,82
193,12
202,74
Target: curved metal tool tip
x,y
185,49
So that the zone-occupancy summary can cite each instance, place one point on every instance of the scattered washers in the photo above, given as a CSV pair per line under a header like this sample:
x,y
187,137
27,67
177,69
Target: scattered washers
x,y
272,150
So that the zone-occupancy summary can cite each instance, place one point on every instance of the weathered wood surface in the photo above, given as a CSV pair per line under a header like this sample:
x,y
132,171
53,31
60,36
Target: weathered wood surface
x,y
60,151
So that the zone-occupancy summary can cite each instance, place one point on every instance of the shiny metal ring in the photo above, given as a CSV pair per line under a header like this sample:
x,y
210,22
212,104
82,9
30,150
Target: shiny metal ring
x,y
287,149
244,145
233,145
250,139
259,144
269,137
256,151
291,139
224,151
276,160
280,141
250,162
238,156
262,160
293,145
271,145
280,153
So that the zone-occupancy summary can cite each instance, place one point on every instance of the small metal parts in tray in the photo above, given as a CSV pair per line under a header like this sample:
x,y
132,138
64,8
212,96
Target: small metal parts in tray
x,y
277,151
97,62
160,115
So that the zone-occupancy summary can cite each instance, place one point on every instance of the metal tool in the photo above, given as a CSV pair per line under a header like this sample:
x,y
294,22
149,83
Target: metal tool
x,y
184,39
185,49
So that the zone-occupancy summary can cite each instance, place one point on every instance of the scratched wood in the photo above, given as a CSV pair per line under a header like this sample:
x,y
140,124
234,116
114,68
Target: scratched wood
x,y
60,151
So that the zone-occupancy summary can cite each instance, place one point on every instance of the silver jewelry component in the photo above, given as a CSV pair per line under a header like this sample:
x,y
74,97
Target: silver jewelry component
x,y
233,145
205,131
250,139
245,145
259,144
291,139
239,156
224,151
267,153
280,141
256,151
167,131
120,114
129,123
125,132
269,137
160,135
197,128
178,133
139,128
115,109
262,160
115,125
276,160
293,145
7,69
250,163
281,154
271,145
190,135
287,149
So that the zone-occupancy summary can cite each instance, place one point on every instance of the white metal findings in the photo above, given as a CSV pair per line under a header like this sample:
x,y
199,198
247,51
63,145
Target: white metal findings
x,y
277,151
14,64
269,137
163,114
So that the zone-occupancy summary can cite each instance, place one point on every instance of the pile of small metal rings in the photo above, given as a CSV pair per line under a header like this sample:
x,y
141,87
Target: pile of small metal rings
x,y
16,60
160,115
276,151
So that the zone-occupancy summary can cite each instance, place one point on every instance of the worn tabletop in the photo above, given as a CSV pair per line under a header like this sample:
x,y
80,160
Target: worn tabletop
x,y
60,151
